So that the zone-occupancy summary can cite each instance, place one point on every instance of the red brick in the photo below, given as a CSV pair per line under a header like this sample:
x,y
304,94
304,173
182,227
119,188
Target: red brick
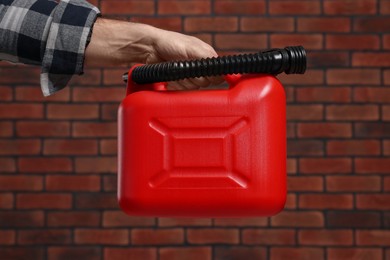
x,y
298,219
353,219
353,147
386,185
5,93
291,201
70,147
384,7
130,253
373,201
96,201
291,166
348,42
298,147
371,95
127,8
304,112
72,111
188,253
13,253
353,183
42,128
373,24
109,112
167,23
19,219
373,237
21,111
353,76
325,130
113,76
110,183
241,41
302,253
81,129
108,146
211,24
386,41
7,237
73,219
120,219
372,130
266,24
72,183
6,200
230,7
299,183
310,41
325,201
311,77
324,94
7,165
323,24
386,147
19,75
26,93
241,222
338,7
20,183
305,148
369,59
386,113
98,94
96,165
6,129
268,237
157,237
352,112
239,252
213,236
184,7
354,253
291,132
294,7
372,165
44,200
85,253
325,165
20,147
101,236
325,237
184,222
328,59
44,237
44,165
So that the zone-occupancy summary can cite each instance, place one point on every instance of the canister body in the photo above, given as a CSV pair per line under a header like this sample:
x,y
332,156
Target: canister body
x,y
209,153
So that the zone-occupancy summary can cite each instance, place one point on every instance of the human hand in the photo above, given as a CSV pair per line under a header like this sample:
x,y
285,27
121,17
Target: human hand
x,y
123,43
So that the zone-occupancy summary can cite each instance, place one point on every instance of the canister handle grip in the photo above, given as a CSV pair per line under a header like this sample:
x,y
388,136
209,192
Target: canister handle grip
x,y
291,60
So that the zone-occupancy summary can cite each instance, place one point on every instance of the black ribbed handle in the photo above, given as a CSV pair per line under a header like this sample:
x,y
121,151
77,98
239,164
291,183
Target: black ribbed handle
x,y
291,60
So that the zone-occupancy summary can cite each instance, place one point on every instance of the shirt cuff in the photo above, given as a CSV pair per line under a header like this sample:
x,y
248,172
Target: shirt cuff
x,y
68,36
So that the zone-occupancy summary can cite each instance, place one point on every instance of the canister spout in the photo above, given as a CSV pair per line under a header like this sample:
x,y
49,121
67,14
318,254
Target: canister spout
x,y
291,60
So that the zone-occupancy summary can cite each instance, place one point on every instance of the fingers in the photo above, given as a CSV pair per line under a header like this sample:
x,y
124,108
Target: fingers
x,y
195,83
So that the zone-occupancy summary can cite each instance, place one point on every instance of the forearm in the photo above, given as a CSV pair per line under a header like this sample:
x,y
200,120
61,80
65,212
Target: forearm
x,y
119,43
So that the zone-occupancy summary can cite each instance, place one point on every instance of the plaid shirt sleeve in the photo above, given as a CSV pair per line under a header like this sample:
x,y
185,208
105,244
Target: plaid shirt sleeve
x,y
52,34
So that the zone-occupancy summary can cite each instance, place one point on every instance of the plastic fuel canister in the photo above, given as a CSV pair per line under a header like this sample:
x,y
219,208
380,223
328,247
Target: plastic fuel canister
x,y
206,153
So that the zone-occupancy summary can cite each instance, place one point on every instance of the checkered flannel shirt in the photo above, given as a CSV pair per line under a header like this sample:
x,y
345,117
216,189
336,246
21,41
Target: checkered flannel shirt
x,y
52,34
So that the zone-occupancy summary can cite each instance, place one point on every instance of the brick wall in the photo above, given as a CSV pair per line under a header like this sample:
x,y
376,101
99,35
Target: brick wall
x,y
58,155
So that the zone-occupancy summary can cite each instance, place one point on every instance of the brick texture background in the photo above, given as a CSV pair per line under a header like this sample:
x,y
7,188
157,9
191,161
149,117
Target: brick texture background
x,y
58,155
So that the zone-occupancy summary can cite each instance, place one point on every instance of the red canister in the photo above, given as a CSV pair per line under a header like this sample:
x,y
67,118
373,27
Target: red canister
x,y
203,153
